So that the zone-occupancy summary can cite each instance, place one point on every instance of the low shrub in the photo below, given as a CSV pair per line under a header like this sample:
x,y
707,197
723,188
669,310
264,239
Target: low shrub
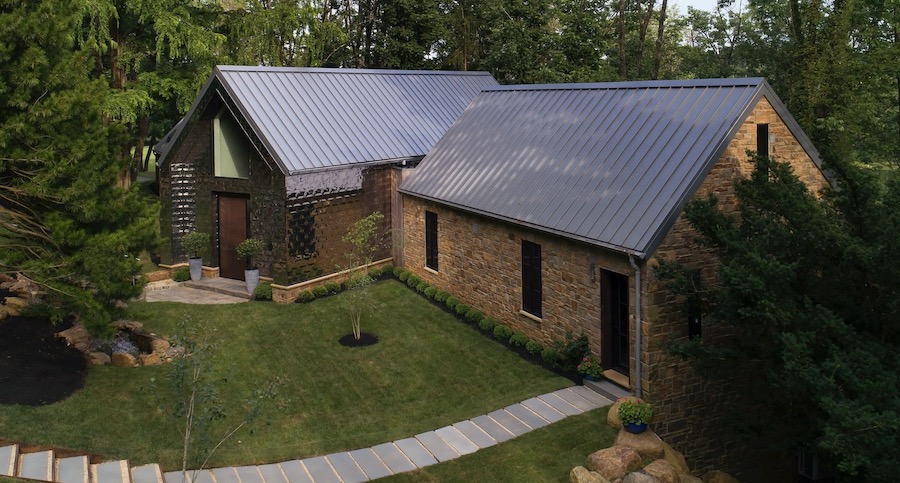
x,y
412,281
263,291
181,274
487,324
398,271
518,339
502,332
333,287
430,292
473,315
375,273
461,309
421,286
550,356
572,351
451,303
534,347
387,269
441,296
305,296
404,276
320,291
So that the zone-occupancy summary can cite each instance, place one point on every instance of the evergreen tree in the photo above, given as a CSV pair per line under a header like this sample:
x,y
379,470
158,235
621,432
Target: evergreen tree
x,y
64,221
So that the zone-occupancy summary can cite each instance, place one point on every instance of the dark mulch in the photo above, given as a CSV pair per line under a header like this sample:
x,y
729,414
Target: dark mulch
x,y
365,339
36,367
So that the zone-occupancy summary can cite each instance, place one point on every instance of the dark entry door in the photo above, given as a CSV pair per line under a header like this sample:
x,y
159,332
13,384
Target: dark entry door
x,y
232,224
614,325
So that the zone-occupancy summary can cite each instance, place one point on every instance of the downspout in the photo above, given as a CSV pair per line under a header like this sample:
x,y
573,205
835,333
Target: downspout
x,y
637,324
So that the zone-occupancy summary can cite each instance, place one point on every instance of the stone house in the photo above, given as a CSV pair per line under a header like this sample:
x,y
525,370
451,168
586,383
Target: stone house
x,y
293,156
547,207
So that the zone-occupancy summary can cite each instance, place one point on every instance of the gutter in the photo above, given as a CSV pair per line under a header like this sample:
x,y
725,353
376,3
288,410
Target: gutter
x,y
637,325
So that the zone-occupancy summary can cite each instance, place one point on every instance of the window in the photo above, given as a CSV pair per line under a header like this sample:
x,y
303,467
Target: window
x,y
431,240
531,278
231,150
762,140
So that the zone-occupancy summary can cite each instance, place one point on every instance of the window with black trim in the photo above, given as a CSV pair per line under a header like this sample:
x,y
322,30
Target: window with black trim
x,y
762,140
531,278
431,240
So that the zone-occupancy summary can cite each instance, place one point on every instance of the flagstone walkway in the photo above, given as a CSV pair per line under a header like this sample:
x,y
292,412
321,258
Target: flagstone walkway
x,y
419,451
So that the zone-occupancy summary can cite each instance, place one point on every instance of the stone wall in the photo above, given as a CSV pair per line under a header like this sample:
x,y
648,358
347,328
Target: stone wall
x,y
690,409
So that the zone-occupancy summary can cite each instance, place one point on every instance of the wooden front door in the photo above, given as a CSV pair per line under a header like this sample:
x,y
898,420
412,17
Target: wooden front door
x,y
232,230
614,321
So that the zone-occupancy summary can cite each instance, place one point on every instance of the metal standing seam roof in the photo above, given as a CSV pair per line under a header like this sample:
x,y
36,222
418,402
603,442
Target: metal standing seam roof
x,y
316,118
610,164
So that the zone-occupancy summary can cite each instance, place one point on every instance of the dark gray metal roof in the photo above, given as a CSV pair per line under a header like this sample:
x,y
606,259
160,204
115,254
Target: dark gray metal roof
x,y
609,164
312,118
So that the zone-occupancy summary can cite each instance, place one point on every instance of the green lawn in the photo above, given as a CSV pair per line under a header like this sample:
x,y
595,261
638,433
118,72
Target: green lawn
x,y
427,371
545,455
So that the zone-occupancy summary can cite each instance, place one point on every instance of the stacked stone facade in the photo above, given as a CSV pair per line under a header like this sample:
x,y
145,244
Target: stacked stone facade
x,y
479,262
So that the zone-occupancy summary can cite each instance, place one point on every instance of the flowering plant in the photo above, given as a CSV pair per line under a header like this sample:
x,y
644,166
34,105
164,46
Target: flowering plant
x,y
635,412
589,366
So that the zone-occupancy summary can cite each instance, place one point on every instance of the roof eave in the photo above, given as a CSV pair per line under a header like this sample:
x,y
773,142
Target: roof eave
x,y
362,164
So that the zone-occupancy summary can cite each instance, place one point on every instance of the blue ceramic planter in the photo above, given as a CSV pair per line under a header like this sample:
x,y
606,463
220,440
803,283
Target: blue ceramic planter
x,y
635,428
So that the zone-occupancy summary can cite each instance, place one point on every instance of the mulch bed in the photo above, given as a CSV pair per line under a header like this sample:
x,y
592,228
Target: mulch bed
x,y
365,339
36,367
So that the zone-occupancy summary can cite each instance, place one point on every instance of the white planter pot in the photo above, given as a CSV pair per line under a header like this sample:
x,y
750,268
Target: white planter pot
x,y
196,267
252,279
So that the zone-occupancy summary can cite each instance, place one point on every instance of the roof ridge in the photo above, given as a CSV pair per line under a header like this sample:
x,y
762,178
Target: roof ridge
x,y
330,70
647,84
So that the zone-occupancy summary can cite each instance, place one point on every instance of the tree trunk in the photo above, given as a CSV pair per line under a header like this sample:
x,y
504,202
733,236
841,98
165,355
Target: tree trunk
x,y
623,61
660,32
645,24
138,156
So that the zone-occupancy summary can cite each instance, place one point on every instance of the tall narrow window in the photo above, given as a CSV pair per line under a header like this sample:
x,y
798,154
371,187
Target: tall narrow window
x,y
431,240
531,278
762,140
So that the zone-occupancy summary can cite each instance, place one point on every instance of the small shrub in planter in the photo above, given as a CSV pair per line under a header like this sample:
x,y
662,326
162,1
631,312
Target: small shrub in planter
x,y
306,296
421,286
441,296
518,339
320,291
502,332
534,347
412,281
487,324
263,291
550,356
181,274
461,309
473,315
398,271
430,292
333,287
452,302
404,276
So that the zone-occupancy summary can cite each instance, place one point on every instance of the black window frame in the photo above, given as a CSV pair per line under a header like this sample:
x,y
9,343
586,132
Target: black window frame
x,y
762,140
532,284
431,240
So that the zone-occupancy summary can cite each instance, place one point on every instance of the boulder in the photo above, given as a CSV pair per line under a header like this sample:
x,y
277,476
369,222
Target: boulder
x,y
717,476
150,359
159,345
132,325
99,358
614,462
77,336
663,471
612,418
123,359
639,477
683,478
646,444
675,458
3,312
580,474
14,305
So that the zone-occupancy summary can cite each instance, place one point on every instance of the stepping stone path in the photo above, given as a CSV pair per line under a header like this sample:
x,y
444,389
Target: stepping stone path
x,y
425,449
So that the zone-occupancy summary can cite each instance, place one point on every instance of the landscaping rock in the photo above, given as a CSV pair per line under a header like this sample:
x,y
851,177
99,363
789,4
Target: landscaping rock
x,y
77,336
158,345
23,286
615,462
675,458
132,325
612,418
99,358
3,312
14,305
638,477
717,476
646,444
683,478
123,359
150,359
580,474
663,471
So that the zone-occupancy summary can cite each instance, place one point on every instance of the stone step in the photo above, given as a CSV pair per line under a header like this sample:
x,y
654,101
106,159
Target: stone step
x,y
147,474
111,472
74,469
225,286
9,456
607,389
36,466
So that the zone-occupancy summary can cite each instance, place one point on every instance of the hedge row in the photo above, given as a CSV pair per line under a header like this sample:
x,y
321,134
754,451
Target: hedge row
x,y
333,288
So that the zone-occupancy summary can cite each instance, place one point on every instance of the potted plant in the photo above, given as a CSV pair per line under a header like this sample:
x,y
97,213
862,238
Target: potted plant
x,y
635,415
248,249
590,368
194,244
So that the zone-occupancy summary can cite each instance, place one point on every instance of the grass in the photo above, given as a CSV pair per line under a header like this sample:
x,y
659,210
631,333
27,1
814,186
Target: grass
x,y
546,454
427,371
